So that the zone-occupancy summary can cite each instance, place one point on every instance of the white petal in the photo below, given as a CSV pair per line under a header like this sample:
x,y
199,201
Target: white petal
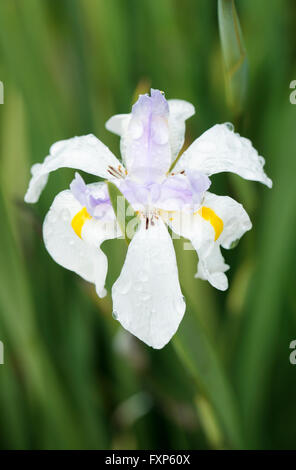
x,y
220,149
147,298
81,255
211,267
235,219
118,124
86,153
202,234
179,111
192,226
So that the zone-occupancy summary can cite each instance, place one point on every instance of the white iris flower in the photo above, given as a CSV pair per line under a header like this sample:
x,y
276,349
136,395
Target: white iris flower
x,y
147,299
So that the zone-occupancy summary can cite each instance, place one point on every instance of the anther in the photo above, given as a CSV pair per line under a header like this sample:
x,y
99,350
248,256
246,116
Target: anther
x,y
113,172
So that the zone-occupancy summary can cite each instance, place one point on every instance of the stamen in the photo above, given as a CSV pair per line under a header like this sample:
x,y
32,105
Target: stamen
x,y
114,172
121,170
110,172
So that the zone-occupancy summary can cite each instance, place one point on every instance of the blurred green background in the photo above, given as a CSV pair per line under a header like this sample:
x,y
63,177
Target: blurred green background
x,y
73,378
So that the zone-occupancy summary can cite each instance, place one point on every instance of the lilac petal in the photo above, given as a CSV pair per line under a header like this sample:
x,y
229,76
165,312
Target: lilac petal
x,y
136,193
96,206
183,191
174,193
79,189
148,151
199,183
155,191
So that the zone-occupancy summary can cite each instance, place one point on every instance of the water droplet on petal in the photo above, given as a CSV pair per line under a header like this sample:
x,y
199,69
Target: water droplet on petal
x,y
230,126
159,130
143,275
136,128
65,214
115,315
138,286
179,305
145,296
124,287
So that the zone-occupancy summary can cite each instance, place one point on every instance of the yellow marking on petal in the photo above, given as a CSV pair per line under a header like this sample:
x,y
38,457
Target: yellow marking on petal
x,y
217,223
79,220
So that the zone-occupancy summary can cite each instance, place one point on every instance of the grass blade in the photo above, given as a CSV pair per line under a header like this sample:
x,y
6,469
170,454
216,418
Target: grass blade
x,y
234,55
197,353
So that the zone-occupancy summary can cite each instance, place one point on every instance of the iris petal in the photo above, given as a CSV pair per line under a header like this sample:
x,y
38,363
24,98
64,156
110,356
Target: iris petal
x,y
220,149
78,247
147,298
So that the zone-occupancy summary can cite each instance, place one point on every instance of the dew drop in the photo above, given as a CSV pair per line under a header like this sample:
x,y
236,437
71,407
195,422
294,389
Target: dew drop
x,y
115,315
124,287
138,286
145,296
159,131
143,275
179,305
156,253
65,215
136,128
230,126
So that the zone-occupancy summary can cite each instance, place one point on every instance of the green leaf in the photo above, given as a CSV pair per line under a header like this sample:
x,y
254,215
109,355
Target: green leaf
x,y
266,307
127,218
199,356
234,55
